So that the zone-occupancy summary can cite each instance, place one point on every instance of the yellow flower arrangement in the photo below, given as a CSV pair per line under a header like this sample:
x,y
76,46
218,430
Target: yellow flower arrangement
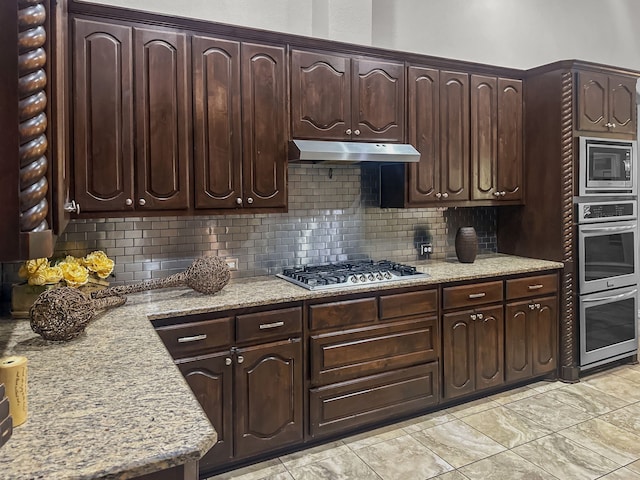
x,y
74,271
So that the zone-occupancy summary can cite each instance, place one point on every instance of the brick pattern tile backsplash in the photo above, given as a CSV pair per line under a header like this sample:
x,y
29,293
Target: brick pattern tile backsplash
x,y
333,215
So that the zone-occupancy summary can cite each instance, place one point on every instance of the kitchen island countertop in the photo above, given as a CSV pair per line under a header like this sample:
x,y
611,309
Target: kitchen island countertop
x,y
112,404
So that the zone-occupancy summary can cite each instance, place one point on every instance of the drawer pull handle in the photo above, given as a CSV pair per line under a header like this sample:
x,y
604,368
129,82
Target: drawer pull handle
x,y
477,295
266,326
536,287
195,338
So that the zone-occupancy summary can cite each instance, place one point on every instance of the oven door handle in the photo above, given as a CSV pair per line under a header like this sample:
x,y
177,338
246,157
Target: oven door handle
x,y
626,228
613,297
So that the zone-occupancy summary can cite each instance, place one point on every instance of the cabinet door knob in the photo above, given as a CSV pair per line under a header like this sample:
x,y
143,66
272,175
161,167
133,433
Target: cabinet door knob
x,y
348,132
142,202
496,194
128,202
249,200
227,361
473,316
239,201
240,359
503,193
480,316
531,306
72,207
438,195
445,195
613,125
357,132
537,305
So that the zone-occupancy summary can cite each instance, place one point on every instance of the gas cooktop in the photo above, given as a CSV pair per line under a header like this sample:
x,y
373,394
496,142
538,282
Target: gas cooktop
x,y
349,273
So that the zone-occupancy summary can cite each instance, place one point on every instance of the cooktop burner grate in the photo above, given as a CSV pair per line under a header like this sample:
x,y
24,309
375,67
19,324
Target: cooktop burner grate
x,y
349,273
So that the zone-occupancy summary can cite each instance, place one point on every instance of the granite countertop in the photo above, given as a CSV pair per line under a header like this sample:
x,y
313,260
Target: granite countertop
x,y
112,404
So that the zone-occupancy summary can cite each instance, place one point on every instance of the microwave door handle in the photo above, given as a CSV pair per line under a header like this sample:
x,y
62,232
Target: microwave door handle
x,y
609,229
613,297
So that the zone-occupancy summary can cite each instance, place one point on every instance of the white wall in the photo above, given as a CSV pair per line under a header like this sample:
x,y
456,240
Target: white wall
x,y
513,33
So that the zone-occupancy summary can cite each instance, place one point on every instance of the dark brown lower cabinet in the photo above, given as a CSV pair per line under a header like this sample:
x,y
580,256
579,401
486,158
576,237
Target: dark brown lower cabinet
x,y
473,351
362,359
530,337
211,379
268,397
339,407
252,396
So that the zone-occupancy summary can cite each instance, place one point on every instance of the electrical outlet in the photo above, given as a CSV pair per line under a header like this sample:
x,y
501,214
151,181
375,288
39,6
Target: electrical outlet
x,y
425,249
232,263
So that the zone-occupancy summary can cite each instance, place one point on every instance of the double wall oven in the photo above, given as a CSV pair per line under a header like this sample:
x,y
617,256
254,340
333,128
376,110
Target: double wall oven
x,y
607,251
608,280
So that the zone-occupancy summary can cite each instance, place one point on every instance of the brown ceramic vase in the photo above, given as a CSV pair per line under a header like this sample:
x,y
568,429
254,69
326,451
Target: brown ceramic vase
x,y
466,244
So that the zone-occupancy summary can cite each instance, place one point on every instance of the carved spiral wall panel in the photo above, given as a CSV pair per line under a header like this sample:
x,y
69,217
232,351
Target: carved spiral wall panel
x,y
33,119
567,307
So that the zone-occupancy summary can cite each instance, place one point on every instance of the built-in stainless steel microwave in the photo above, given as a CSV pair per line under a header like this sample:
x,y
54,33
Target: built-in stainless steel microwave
x,y
607,167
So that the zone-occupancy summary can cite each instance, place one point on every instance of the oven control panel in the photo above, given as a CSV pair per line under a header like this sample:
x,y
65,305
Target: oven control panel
x,y
607,211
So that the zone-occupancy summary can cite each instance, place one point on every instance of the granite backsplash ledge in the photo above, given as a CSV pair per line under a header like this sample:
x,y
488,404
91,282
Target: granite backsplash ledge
x,y
333,215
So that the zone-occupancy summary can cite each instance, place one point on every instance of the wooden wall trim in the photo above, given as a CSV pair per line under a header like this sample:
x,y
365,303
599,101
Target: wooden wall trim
x,y
568,330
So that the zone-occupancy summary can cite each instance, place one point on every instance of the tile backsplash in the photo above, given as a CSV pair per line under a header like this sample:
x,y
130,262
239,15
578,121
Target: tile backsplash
x,y
333,215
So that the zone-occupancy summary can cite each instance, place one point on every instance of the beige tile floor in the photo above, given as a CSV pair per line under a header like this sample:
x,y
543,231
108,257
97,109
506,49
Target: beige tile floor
x,y
545,430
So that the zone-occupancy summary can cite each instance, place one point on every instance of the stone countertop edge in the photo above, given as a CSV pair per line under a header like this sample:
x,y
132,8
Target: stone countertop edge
x,y
112,404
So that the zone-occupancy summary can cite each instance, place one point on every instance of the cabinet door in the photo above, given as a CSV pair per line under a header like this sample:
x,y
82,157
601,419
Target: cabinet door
x,y
163,123
510,163
593,102
217,125
268,400
484,137
454,135
103,115
210,380
264,135
378,101
458,345
544,335
489,347
518,355
320,96
424,126
622,104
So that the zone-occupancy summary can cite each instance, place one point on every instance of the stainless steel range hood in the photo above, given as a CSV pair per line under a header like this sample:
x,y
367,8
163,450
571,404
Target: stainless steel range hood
x,y
351,152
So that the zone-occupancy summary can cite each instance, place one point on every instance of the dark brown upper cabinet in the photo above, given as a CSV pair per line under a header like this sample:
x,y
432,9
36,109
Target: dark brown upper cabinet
x,y
217,122
454,136
496,138
469,132
606,103
438,126
112,172
103,116
336,97
162,111
264,125
239,124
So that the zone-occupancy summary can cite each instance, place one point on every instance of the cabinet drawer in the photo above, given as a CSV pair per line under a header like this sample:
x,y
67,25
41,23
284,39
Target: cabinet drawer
x,y
345,313
405,304
282,323
530,286
345,355
468,295
340,407
195,338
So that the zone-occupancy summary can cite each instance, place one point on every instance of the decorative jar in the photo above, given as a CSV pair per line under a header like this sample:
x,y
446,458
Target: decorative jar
x,y
466,244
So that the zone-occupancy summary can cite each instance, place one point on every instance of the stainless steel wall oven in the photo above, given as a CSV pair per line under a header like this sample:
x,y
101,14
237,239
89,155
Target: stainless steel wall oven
x,y
608,280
